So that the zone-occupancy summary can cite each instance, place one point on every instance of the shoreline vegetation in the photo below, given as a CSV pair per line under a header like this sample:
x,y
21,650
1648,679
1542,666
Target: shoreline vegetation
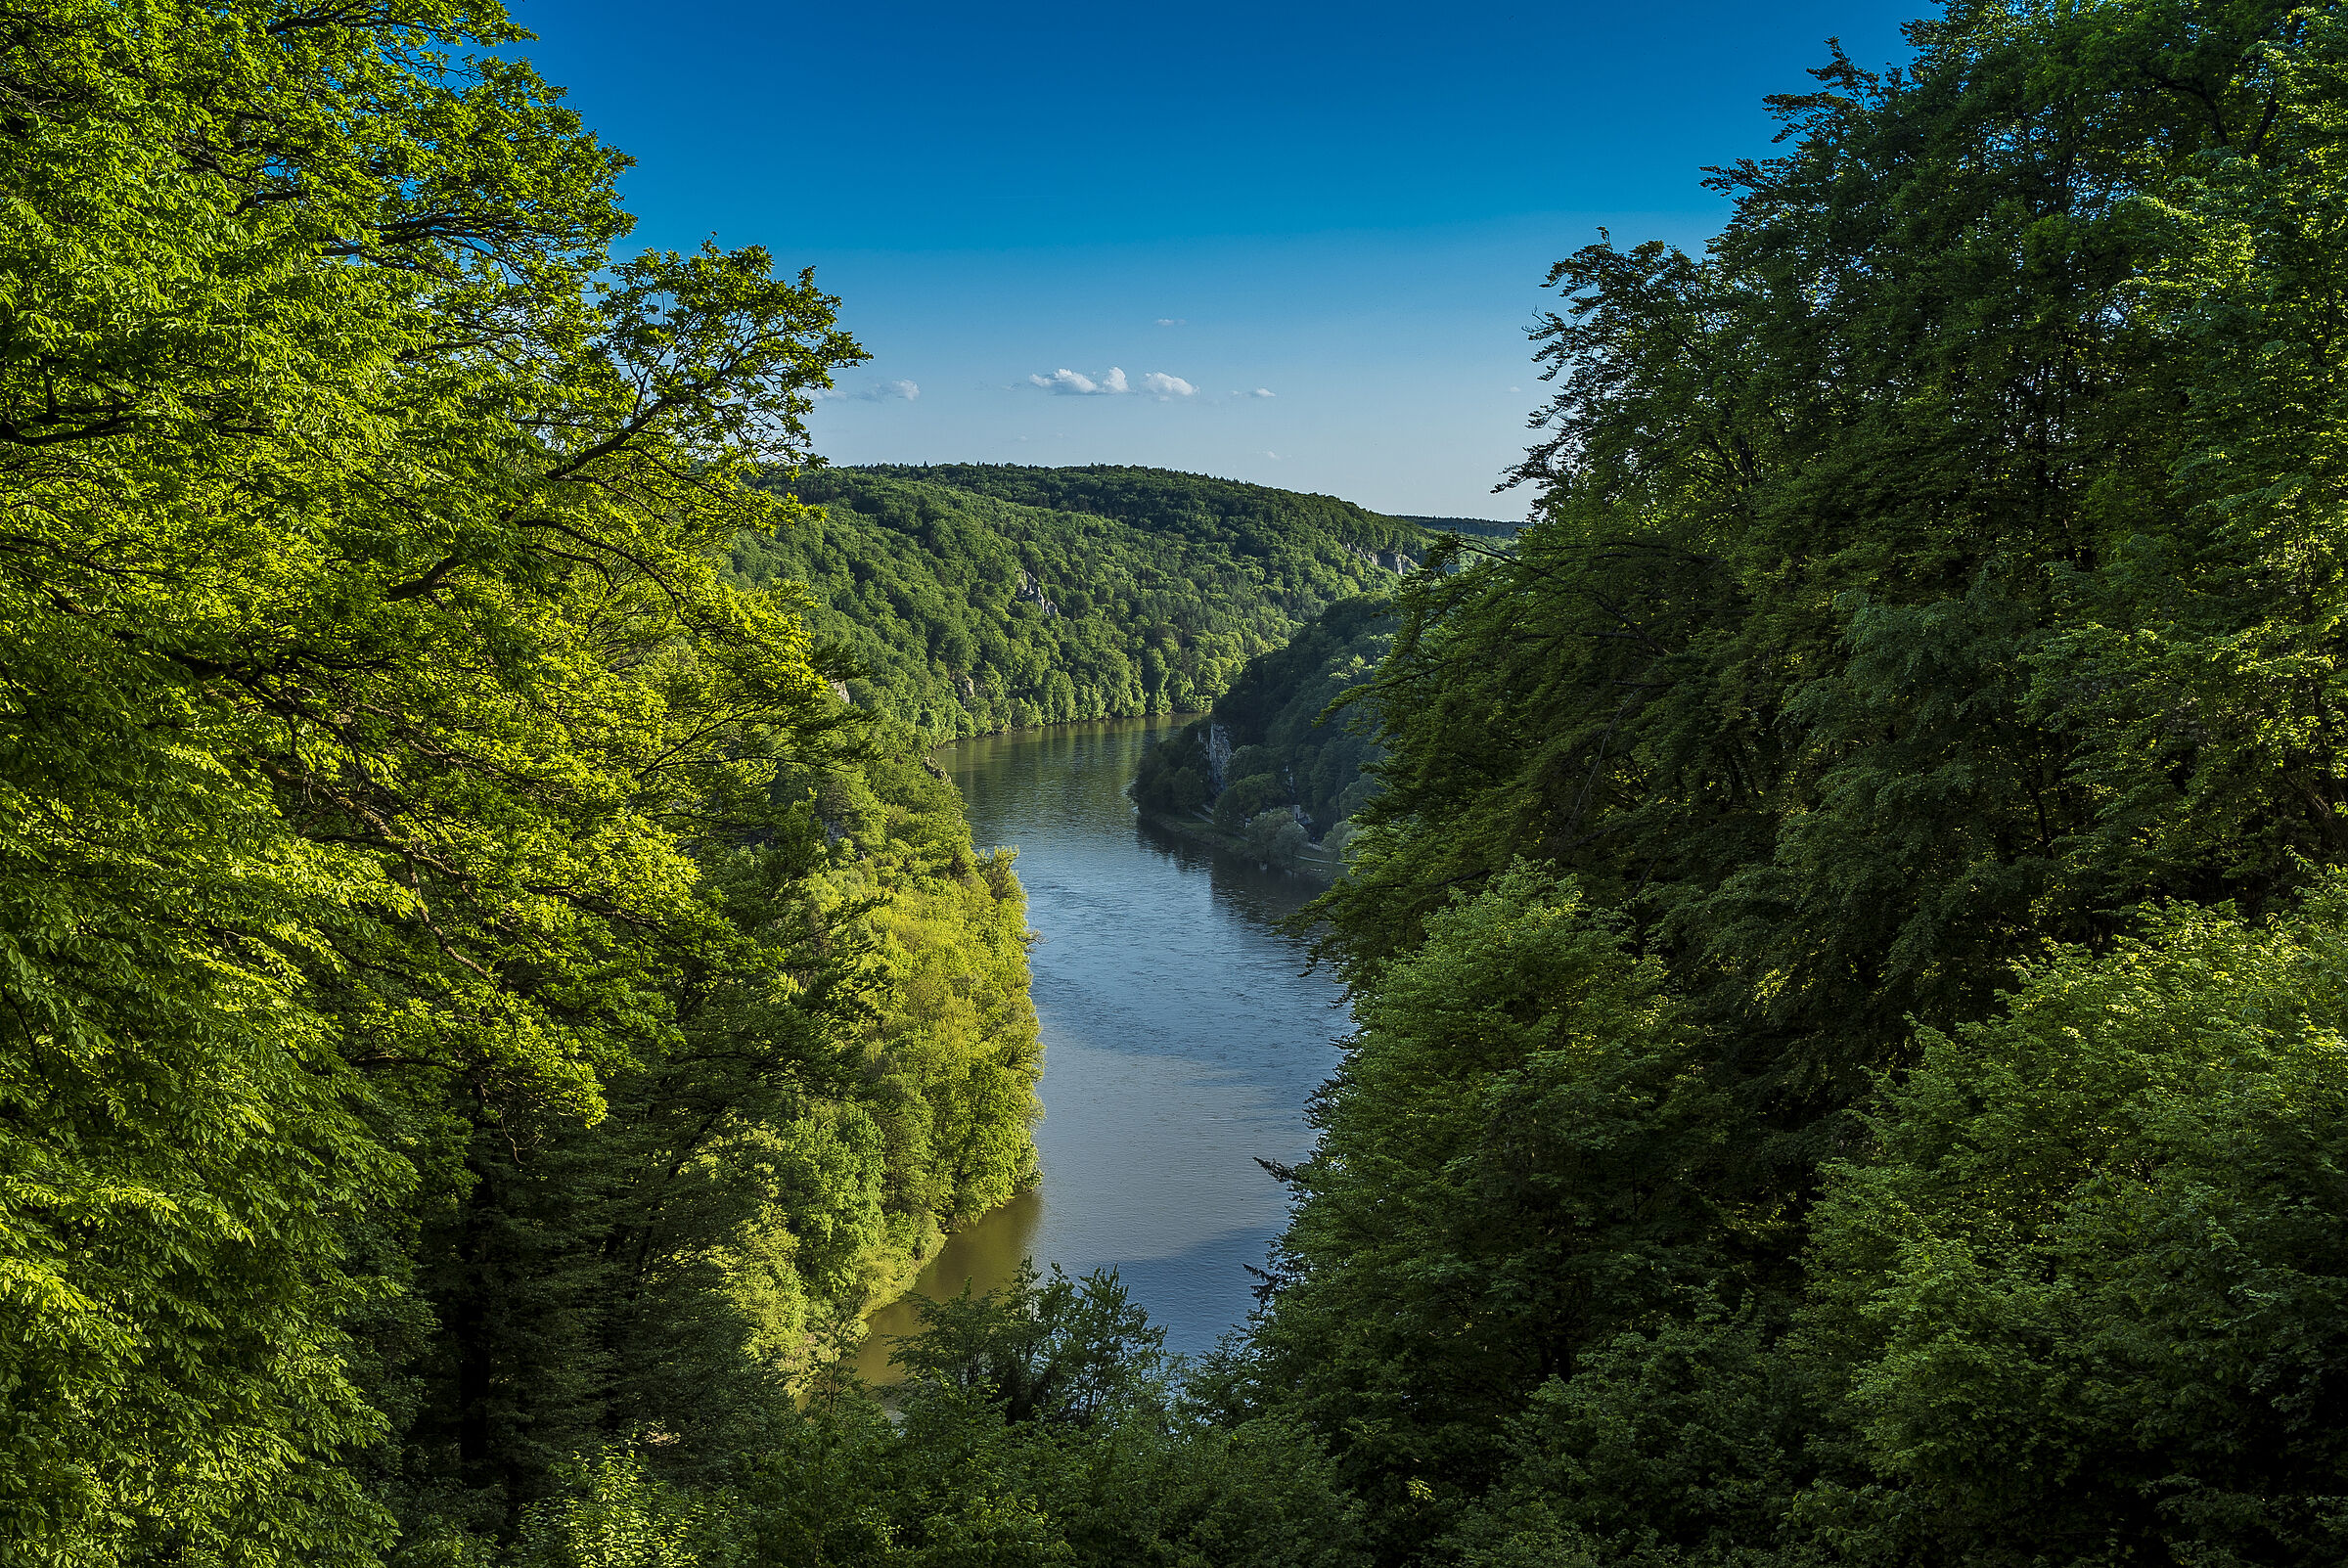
x,y
1312,860
1277,768
1846,915
1197,827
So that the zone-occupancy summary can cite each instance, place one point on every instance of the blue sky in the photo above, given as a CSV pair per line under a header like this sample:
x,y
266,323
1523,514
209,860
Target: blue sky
x,y
1306,239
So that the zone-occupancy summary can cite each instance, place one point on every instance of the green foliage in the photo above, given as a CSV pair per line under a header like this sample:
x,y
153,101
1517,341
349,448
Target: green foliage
x,y
1683,1443
1276,838
1101,1474
1907,584
472,996
1521,1158
1807,658
615,1516
669,1272
1937,580
1282,751
2074,1300
977,599
1469,528
1243,798
2081,1292
1062,1351
438,1028
1282,527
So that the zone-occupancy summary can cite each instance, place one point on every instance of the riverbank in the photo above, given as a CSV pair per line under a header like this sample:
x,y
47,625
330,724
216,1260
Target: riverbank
x,y
1182,1039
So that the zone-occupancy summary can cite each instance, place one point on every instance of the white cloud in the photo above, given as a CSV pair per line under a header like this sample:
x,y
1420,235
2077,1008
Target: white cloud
x,y
1075,383
1068,381
1172,321
877,392
1262,391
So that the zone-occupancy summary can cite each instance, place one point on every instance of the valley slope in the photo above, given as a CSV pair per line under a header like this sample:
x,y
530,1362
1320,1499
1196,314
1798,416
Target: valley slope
x,y
976,598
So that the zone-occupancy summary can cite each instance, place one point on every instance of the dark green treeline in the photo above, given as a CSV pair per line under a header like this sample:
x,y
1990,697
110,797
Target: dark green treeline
x,y
1848,946
973,599
1271,749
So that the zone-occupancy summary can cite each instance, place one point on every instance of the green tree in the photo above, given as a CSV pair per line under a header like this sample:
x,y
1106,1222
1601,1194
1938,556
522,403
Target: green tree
x,y
369,697
1778,667
1520,1156
1904,586
1276,718
853,1080
1060,1350
1940,566
1037,1433
2079,1295
1275,838
1686,1441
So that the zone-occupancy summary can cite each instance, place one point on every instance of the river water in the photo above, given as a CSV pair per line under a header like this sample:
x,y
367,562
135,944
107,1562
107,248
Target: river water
x,y
1180,1040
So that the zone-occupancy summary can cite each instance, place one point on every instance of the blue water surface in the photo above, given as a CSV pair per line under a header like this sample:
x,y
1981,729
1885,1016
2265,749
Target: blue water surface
x,y
1182,1038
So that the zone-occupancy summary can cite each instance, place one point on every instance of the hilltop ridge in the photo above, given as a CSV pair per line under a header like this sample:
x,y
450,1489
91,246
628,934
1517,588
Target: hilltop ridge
x,y
973,598
1195,506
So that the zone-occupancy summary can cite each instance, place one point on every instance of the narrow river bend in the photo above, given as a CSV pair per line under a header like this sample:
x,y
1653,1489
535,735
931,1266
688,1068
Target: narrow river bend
x,y
1180,1040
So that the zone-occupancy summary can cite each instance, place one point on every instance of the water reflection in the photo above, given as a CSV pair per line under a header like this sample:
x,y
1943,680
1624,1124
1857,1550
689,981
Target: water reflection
x,y
1181,1040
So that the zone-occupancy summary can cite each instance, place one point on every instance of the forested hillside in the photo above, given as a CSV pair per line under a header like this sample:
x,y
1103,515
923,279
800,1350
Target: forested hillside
x,y
1252,519
1470,528
1848,940
1271,749
976,598
1848,947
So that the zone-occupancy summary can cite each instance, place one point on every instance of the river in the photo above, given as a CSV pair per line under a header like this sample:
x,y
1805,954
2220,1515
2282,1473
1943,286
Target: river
x,y
1180,1040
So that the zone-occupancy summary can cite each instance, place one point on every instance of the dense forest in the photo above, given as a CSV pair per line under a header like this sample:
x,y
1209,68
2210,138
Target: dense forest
x,y
1847,934
1272,767
471,993
975,599
1847,944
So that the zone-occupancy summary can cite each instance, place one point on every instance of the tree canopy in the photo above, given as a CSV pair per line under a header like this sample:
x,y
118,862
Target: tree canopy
x,y
1847,927
1921,667
1274,740
411,841
975,599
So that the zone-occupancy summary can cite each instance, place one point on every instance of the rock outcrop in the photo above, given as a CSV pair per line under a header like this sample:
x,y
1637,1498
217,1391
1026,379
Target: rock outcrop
x,y
1031,592
1218,759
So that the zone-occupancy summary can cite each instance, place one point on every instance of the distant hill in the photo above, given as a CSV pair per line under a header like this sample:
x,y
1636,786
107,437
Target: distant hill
x,y
1477,527
980,598
1253,517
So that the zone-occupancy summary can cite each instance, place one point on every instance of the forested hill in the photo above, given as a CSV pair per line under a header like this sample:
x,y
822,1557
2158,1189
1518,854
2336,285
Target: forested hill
x,y
1848,942
975,599
1254,519
1267,752
1473,527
